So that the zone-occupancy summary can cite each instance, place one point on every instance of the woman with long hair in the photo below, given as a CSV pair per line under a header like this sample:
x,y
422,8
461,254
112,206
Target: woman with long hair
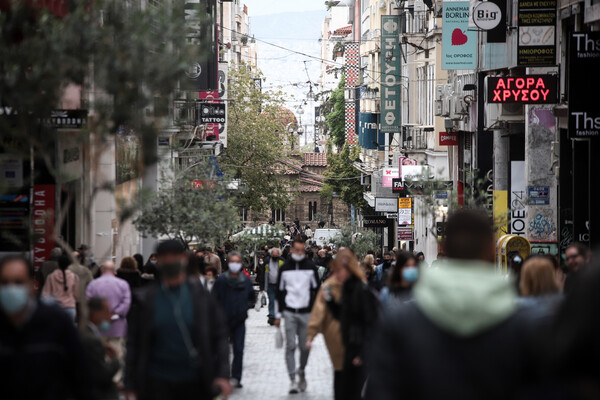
x,y
128,271
357,313
539,289
63,286
368,266
402,279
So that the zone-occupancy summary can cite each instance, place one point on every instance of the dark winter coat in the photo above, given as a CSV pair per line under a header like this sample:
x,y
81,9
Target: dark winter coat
x,y
44,358
234,297
209,337
357,314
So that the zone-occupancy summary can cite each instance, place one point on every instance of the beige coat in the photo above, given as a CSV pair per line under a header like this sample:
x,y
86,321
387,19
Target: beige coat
x,y
321,321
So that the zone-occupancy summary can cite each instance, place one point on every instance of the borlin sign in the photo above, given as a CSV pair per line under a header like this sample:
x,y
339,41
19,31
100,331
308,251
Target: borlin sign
x,y
528,89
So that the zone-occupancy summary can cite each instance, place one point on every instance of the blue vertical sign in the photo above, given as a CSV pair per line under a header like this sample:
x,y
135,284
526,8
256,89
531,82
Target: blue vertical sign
x,y
459,45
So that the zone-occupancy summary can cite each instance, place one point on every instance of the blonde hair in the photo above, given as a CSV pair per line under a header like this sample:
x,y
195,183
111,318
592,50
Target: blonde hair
x,y
345,258
369,261
537,277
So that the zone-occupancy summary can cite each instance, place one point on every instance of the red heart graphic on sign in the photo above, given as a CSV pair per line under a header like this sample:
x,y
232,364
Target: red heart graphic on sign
x,y
458,37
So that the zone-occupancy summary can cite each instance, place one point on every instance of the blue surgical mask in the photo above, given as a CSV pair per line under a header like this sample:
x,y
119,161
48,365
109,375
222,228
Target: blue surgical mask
x,y
152,261
13,298
410,274
104,326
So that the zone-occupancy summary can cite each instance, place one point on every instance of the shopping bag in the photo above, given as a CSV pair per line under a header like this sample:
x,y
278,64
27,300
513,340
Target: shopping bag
x,y
263,299
257,305
278,339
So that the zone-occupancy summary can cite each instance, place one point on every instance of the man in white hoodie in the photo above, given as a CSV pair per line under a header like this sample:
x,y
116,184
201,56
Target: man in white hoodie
x,y
463,337
297,286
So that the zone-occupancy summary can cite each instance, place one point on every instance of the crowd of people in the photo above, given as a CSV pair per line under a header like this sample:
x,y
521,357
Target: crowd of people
x,y
394,326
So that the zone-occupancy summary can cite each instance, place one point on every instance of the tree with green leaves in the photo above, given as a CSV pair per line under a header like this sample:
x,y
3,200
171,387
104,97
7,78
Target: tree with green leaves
x,y
342,178
258,140
360,241
112,58
336,119
193,205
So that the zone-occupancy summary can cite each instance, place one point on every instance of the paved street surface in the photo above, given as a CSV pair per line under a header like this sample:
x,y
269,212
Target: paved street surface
x,y
265,375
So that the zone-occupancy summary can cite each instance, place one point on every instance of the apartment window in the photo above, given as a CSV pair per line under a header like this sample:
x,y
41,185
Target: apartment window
x,y
421,90
430,94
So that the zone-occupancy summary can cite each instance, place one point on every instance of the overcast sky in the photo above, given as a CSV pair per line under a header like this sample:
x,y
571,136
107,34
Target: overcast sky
x,y
266,7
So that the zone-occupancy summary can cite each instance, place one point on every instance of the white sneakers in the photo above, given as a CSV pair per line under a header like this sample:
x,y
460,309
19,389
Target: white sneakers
x,y
300,386
293,388
302,381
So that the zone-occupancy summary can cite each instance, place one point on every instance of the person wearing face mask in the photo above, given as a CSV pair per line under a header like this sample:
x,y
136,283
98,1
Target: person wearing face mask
x,y
38,341
382,271
149,272
297,285
210,277
402,278
273,263
177,338
233,291
103,358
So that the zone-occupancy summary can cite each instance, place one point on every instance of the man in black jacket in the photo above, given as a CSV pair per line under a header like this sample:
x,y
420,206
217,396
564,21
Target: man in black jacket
x,y
297,285
41,355
177,339
463,337
233,290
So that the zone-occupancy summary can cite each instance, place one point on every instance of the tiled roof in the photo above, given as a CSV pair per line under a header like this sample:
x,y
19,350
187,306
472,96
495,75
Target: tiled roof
x,y
343,31
309,188
315,159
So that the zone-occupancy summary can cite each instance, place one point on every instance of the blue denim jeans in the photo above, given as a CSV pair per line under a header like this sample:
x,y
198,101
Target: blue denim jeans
x,y
271,287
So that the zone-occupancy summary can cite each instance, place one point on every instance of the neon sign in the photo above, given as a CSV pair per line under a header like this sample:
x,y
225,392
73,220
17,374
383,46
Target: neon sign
x,y
528,89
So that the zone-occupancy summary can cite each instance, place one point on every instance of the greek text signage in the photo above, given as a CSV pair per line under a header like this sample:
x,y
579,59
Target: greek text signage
x,y
528,89
391,71
459,45
537,32
584,59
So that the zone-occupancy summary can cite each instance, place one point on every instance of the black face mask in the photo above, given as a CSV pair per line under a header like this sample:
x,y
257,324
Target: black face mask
x,y
171,270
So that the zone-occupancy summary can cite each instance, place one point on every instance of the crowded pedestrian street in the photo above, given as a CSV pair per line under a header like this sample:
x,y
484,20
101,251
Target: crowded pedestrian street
x,y
264,372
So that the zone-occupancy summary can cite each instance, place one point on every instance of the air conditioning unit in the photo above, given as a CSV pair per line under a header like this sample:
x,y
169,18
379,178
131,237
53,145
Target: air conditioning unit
x,y
492,114
454,104
460,106
446,107
439,92
437,108
511,112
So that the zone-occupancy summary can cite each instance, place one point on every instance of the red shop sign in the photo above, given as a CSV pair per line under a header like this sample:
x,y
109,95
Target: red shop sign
x,y
525,89
43,223
448,139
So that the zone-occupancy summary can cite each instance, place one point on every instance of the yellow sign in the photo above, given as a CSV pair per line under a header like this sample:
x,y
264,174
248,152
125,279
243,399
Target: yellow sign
x,y
405,202
500,213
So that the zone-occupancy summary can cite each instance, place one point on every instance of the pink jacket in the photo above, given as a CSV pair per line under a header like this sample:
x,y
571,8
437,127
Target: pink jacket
x,y
55,288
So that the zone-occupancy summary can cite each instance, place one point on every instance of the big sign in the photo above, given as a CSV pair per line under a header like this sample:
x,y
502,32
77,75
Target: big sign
x,y
527,89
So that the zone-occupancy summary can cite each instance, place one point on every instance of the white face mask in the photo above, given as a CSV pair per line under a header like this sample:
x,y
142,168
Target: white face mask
x,y
297,257
235,267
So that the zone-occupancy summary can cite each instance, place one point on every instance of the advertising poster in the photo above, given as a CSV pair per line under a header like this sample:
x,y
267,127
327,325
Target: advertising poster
x,y
584,56
537,33
459,44
388,175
